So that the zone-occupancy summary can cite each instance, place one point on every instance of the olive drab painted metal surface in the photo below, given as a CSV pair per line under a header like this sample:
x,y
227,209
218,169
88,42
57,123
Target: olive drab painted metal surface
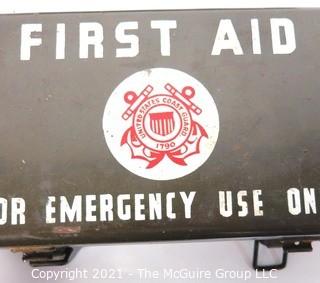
x,y
131,126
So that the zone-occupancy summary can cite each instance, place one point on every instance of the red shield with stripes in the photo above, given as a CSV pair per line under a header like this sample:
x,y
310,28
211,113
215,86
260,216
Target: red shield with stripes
x,y
162,123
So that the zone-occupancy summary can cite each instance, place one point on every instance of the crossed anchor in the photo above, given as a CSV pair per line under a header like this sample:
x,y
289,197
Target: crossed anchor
x,y
135,100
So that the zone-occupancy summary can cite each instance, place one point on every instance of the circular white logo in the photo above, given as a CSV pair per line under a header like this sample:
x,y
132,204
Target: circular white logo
x,y
161,124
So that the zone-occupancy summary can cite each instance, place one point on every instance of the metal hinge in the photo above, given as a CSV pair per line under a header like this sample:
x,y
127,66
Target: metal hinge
x,y
288,246
45,256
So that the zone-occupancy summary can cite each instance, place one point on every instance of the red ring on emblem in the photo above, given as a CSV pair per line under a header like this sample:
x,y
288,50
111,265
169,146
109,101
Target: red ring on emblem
x,y
162,123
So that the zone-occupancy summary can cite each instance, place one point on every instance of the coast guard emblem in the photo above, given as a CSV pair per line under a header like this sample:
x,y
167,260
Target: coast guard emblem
x,y
161,124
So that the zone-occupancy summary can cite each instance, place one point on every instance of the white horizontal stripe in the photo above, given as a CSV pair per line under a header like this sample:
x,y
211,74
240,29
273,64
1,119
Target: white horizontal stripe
x,y
42,6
